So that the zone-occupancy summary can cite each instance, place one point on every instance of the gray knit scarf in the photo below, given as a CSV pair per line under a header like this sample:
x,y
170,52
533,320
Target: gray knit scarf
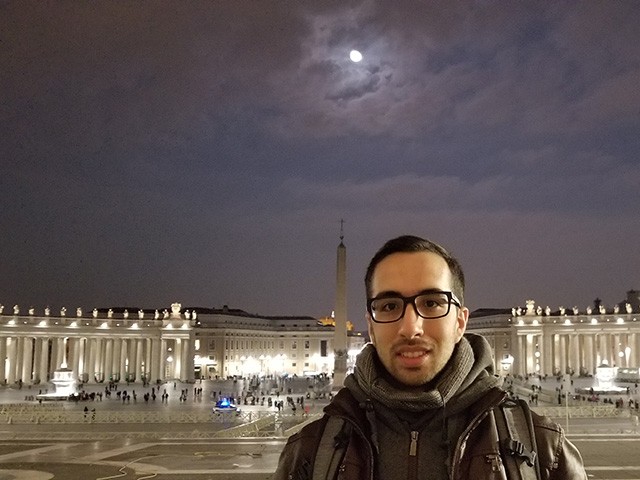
x,y
435,394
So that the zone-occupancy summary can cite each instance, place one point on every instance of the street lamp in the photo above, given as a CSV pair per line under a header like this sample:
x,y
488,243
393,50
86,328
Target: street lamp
x,y
506,363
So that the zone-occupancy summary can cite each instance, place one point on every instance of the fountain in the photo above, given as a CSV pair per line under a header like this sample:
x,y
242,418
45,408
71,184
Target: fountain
x,y
605,376
64,383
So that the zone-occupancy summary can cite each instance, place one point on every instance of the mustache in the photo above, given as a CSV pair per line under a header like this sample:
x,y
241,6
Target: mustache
x,y
413,343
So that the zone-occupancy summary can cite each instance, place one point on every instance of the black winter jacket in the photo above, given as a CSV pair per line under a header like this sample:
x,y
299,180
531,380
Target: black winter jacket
x,y
476,456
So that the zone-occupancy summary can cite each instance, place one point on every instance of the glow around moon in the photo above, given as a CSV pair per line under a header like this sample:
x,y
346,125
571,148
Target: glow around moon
x,y
355,56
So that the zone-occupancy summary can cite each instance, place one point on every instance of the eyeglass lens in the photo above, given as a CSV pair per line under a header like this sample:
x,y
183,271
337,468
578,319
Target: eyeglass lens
x,y
429,305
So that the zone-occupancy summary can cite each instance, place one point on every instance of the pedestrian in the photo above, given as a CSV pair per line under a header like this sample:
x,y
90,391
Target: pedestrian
x,y
423,401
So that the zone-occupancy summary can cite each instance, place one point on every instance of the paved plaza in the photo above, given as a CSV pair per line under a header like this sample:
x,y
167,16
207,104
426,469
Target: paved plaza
x,y
101,450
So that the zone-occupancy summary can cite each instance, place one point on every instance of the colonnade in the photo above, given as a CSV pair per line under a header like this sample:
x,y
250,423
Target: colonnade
x,y
555,353
32,359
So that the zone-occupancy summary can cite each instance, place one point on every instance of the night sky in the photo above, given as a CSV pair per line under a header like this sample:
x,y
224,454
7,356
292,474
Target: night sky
x,y
205,152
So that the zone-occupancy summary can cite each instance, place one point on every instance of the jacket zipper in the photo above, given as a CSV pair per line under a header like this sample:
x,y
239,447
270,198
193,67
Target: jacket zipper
x,y
357,429
472,426
495,461
413,448
413,456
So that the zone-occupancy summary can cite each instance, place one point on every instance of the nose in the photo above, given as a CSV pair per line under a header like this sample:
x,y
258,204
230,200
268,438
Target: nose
x,y
411,324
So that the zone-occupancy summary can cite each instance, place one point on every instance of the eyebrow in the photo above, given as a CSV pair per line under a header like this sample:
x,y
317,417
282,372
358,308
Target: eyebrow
x,y
393,293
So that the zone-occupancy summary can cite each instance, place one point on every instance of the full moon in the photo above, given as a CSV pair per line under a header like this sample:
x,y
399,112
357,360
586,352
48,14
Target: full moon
x,y
355,56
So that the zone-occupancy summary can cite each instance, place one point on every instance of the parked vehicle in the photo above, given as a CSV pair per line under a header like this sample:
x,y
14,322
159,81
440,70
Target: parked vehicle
x,y
224,405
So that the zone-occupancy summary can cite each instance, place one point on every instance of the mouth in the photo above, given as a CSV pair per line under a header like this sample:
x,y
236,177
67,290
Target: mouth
x,y
414,354
413,357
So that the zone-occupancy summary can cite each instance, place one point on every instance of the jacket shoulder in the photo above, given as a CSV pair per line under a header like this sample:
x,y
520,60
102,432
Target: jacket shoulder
x,y
297,457
557,456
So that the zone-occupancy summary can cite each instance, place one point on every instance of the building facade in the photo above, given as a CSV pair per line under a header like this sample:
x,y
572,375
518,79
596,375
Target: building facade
x,y
235,343
187,344
150,346
538,341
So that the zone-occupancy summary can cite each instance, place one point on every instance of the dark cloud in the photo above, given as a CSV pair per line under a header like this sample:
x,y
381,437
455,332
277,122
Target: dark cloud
x,y
205,152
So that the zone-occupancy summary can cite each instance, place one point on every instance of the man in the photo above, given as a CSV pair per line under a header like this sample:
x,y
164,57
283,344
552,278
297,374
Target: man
x,y
423,402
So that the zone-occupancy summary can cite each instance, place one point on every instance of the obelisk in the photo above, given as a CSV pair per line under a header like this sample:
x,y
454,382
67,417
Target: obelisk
x,y
340,332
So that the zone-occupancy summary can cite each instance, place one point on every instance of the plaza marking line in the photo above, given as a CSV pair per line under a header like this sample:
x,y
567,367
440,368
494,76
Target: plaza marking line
x,y
25,475
34,451
116,451
612,467
141,468
610,437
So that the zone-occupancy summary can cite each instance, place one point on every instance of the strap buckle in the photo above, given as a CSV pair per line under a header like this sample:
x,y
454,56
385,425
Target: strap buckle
x,y
516,448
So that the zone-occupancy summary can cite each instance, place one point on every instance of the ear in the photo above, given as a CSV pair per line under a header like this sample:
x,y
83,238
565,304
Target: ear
x,y
461,322
372,336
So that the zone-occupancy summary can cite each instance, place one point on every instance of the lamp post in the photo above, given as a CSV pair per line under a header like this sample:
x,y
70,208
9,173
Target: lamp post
x,y
169,362
506,363
567,386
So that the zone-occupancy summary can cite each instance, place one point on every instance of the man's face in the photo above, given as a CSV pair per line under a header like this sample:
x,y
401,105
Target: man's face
x,y
414,349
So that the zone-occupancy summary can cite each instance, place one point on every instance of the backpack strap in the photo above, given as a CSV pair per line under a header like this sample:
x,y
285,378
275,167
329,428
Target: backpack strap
x,y
331,449
517,440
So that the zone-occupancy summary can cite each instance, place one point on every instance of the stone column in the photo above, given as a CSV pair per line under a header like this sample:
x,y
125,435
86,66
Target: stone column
x,y
90,353
124,356
138,359
189,361
601,349
163,361
624,338
116,345
520,360
27,358
108,360
557,354
611,352
43,365
184,376
74,355
19,357
563,354
588,354
132,347
530,359
98,369
576,353
3,359
157,362
547,354
58,354
148,363
177,358
12,352
53,357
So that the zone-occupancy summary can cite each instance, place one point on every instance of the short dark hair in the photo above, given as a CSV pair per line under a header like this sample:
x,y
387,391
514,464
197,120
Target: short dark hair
x,y
410,244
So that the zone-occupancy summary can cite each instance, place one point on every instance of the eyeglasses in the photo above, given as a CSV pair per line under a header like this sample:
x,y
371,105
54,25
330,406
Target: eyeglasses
x,y
428,304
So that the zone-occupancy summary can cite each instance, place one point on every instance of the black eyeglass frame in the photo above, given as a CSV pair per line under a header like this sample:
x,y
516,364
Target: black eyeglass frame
x,y
452,299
